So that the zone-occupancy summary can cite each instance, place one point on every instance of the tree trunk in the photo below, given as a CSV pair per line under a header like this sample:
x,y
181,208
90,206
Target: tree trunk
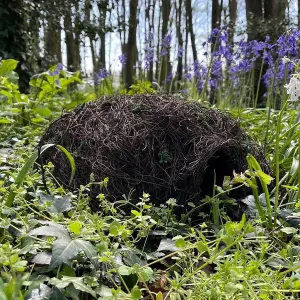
x,y
13,38
102,7
189,15
131,44
180,39
72,57
166,8
53,41
254,17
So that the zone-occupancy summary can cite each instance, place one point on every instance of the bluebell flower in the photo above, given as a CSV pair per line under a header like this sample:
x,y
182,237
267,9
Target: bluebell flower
x,y
60,67
54,73
163,52
180,51
123,59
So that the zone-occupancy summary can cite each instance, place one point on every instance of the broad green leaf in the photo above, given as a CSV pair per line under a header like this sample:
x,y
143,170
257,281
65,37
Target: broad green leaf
x,y
56,294
289,230
43,111
124,270
7,66
52,229
63,251
76,281
59,204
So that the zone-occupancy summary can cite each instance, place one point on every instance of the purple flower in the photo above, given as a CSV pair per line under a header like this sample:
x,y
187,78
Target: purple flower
x,y
180,51
169,77
185,92
163,52
54,73
149,37
102,74
57,82
60,67
123,59
166,41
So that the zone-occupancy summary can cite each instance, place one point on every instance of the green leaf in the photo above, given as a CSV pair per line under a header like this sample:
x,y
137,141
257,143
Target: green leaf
x,y
136,293
124,270
76,281
71,161
59,204
146,273
289,230
43,111
52,229
264,177
21,176
7,66
202,247
64,249
75,227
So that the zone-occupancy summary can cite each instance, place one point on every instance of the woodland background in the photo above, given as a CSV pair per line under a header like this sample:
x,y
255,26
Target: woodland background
x,y
93,35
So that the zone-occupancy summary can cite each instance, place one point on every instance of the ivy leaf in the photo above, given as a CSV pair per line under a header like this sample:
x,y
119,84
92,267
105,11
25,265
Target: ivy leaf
x,y
52,229
76,281
59,204
289,230
64,251
56,294
41,293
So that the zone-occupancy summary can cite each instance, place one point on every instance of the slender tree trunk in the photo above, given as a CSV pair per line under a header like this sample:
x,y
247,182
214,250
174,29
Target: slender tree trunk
x,y
158,62
180,39
77,33
102,7
189,14
166,8
72,62
131,44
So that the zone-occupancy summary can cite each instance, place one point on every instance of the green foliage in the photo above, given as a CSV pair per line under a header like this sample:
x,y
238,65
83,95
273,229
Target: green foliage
x,y
53,247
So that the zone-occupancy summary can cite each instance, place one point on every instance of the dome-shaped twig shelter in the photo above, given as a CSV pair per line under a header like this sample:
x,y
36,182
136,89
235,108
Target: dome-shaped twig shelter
x,y
159,144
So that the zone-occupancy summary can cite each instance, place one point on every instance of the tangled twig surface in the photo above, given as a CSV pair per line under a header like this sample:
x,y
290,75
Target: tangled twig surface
x,y
159,144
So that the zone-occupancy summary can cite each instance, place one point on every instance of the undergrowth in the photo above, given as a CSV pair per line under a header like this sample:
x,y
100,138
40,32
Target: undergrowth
x,y
54,247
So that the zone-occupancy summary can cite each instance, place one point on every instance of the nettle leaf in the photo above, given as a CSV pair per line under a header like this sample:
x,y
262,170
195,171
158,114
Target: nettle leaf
x,y
76,281
59,204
